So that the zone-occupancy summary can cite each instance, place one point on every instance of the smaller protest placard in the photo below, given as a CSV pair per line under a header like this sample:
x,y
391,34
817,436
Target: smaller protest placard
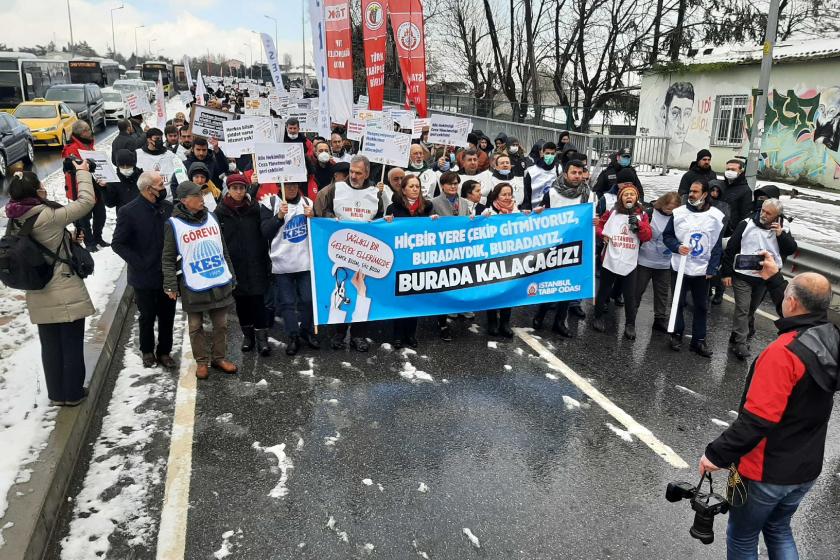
x,y
278,101
209,123
241,135
256,106
279,162
387,147
296,93
355,129
417,128
104,169
137,104
302,115
186,97
448,130
364,101
403,117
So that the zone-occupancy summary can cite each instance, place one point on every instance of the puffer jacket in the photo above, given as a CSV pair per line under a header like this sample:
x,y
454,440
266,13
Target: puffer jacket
x,y
65,298
192,302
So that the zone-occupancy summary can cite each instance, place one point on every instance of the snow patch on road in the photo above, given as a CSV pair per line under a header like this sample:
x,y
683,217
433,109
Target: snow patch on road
x,y
423,488
331,440
570,403
623,434
721,423
473,539
412,374
552,376
367,482
342,535
284,463
227,547
419,552
474,328
508,367
492,344
307,373
687,390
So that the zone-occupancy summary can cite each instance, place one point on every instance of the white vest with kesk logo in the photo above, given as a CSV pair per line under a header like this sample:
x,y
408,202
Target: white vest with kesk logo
x,y
541,181
756,239
621,254
289,250
654,253
355,205
699,231
428,181
518,184
203,264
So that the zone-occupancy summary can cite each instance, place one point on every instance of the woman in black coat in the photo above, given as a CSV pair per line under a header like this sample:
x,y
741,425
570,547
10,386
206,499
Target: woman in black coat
x,y
408,203
239,216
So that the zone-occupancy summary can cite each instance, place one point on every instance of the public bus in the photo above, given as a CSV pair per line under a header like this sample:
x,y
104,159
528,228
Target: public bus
x,y
100,71
24,77
180,77
150,72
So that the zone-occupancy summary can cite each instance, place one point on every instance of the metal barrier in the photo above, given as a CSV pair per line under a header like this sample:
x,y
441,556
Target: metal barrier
x,y
811,258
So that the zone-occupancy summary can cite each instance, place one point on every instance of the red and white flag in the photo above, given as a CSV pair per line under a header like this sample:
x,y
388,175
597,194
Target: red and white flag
x,y
339,60
407,23
375,32
160,102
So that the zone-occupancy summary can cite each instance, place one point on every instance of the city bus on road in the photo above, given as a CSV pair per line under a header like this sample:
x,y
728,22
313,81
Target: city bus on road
x,y
150,72
100,71
24,77
180,77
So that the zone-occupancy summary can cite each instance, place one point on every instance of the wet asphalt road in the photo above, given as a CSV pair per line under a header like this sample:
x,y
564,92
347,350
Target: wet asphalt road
x,y
497,448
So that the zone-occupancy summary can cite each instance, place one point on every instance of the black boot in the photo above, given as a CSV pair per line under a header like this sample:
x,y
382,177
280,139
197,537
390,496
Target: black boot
x,y
717,298
248,340
630,331
504,328
492,323
599,324
700,348
539,318
561,329
310,340
660,325
293,345
676,342
262,342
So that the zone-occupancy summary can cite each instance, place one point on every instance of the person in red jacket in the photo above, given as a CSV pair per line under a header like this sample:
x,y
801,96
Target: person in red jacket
x,y
778,439
623,229
82,139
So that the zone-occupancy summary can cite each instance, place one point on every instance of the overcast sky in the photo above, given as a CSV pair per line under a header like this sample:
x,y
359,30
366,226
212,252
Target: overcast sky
x,y
174,28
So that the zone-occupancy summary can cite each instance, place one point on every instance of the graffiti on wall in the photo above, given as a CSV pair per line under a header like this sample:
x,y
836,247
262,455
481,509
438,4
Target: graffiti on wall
x,y
680,114
802,133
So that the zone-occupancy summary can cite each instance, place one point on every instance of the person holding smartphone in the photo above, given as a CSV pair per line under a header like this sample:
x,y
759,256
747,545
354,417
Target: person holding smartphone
x,y
763,231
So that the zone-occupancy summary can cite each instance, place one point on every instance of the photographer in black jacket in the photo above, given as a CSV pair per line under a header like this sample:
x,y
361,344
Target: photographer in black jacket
x,y
778,440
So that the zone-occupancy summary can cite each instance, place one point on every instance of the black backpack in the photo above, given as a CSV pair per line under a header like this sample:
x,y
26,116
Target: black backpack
x,y
23,265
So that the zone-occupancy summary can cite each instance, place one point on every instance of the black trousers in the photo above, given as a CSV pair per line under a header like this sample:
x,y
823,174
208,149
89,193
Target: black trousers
x,y
699,288
155,305
628,288
561,310
250,310
360,330
499,316
93,235
63,358
405,328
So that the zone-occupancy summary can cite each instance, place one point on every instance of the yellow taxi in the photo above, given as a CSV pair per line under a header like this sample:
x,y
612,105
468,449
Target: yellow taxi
x,y
50,122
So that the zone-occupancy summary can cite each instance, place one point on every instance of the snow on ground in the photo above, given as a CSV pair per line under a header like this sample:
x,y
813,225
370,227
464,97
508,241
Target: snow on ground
x,y
815,213
115,496
26,419
473,539
623,434
284,464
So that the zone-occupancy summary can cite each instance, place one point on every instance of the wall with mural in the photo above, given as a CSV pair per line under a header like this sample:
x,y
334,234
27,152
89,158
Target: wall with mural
x,y
802,124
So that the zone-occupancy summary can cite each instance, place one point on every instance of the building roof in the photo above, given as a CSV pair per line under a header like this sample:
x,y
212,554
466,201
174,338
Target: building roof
x,y
787,51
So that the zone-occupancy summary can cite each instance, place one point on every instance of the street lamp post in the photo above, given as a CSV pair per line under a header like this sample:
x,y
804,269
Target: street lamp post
x,y
136,54
113,35
251,50
259,51
150,46
303,38
70,21
275,28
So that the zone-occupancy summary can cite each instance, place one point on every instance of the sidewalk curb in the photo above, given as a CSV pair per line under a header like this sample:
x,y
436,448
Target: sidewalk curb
x,y
35,511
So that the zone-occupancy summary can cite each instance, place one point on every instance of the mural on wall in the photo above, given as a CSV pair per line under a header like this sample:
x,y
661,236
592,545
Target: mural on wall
x,y
802,134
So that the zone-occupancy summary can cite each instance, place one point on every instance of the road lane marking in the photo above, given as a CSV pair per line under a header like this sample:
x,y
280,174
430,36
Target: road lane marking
x,y
172,534
764,314
612,409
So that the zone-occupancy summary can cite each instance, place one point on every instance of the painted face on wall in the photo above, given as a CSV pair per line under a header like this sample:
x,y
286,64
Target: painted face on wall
x,y
827,129
677,118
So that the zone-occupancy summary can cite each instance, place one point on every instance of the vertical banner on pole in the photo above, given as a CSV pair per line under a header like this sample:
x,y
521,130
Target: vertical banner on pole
x,y
188,72
339,60
407,23
273,62
200,90
160,103
375,32
319,51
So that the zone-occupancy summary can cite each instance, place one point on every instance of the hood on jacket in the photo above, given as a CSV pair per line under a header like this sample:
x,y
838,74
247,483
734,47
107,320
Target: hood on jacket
x,y
536,149
819,349
568,151
768,191
719,185
198,167
503,137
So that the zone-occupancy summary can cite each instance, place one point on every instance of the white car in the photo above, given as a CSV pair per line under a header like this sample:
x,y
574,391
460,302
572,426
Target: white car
x,y
152,87
114,105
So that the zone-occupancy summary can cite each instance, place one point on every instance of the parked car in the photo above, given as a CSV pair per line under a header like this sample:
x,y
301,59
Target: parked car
x,y
152,88
85,99
114,105
49,122
15,143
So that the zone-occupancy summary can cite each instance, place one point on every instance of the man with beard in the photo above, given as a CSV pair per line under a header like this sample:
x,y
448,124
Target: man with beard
x,y
762,232
471,170
82,139
215,160
171,138
699,170
827,130
185,143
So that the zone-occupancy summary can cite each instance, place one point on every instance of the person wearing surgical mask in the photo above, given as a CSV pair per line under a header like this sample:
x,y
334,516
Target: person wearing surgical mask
x,y
737,194
503,173
540,176
418,155
293,134
324,166
120,193
518,159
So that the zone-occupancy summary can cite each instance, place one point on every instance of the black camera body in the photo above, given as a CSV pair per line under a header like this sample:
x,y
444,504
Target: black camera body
x,y
67,165
705,506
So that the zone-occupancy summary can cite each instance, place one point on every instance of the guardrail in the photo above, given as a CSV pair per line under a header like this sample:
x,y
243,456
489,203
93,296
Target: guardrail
x,y
811,258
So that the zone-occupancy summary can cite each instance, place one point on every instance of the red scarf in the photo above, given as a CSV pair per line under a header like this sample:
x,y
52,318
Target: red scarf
x,y
413,207
508,209
231,203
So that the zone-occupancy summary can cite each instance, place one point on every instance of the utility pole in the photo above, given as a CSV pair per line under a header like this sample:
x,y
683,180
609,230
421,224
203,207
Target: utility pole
x,y
70,21
761,95
113,36
136,54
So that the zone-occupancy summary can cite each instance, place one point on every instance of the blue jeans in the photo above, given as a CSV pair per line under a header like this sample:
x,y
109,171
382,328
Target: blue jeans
x,y
768,510
294,301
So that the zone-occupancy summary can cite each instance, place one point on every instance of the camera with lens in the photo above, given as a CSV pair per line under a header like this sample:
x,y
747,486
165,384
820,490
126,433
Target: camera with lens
x,y
67,165
705,506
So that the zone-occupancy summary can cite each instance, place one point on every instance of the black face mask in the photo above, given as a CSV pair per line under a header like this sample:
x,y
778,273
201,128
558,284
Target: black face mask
x,y
158,145
186,145
161,195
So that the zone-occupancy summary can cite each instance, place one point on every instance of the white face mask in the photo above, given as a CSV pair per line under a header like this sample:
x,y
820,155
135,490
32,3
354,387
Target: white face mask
x,y
730,174
126,171
697,203
292,136
415,165
324,157
231,166
513,149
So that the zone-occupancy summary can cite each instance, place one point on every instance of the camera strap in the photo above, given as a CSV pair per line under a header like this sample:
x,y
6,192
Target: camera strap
x,y
736,490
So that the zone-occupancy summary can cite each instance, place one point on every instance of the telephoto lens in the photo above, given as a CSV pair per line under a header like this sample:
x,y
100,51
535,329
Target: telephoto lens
x,y
703,528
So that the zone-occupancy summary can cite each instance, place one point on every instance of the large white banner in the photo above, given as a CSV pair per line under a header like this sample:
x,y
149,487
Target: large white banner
x,y
273,62
280,162
319,51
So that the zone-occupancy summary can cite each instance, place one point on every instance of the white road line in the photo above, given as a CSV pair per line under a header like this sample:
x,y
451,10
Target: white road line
x,y
172,534
625,419
764,314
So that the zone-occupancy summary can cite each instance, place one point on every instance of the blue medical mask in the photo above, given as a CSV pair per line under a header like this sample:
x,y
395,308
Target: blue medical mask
x,y
444,167
504,172
624,161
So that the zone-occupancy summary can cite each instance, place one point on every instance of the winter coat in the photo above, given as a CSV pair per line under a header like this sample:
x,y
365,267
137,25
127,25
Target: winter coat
x,y
739,197
645,232
216,163
608,177
398,210
442,206
65,298
483,160
247,247
767,191
718,202
122,192
138,240
71,149
519,160
122,142
693,174
192,302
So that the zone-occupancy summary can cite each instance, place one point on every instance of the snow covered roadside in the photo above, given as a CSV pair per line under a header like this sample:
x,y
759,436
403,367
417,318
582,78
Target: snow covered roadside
x,y
26,419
